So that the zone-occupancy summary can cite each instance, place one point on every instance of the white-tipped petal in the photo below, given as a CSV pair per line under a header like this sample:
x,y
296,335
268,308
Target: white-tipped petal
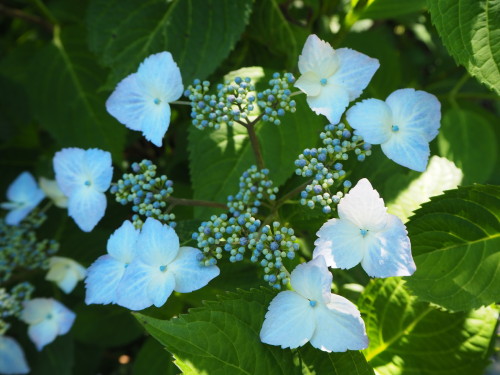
x,y
372,119
318,56
35,310
158,243
289,321
389,253
99,168
12,359
69,167
309,83
339,326
132,291
87,207
409,149
103,278
53,192
122,244
363,207
355,71
340,243
160,286
312,280
330,102
189,274
65,272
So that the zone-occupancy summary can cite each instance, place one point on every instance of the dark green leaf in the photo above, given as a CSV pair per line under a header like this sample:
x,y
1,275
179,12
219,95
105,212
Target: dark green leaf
x,y
153,359
410,337
379,9
456,246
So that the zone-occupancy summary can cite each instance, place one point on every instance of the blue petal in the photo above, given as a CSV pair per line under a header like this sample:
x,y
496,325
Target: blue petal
x,y
122,244
12,359
69,169
158,242
189,273
156,122
372,119
160,286
87,206
408,149
331,102
312,280
43,333
24,189
103,278
132,292
99,169
15,216
64,318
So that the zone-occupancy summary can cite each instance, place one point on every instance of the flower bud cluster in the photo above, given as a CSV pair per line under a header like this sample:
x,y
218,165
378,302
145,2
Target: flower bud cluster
x,y
255,187
233,102
20,247
146,192
276,100
11,303
324,165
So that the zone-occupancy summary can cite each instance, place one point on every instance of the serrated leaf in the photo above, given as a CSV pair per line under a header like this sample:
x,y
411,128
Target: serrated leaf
x,y
456,246
410,337
468,139
65,79
198,33
223,338
219,157
470,30
380,9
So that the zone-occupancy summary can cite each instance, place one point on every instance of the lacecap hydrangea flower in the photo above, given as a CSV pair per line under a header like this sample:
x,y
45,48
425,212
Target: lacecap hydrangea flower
x,y
53,192
332,78
47,319
403,125
312,313
141,100
12,359
84,176
365,233
23,195
65,272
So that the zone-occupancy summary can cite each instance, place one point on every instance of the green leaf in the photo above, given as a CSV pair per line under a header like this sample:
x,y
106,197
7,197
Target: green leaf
x,y
219,157
456,246
223,338
198,33
468,139
64,83
56,358
152,359
380,9
410,337
470,30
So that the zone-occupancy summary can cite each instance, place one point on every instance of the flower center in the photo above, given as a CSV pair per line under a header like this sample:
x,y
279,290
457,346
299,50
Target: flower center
x,y
49,316
323,81
363,232
87,183
395,128
312,303
157,101
163,268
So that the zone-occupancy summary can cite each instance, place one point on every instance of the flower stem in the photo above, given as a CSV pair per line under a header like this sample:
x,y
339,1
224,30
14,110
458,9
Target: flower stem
x,y
254,141
194,202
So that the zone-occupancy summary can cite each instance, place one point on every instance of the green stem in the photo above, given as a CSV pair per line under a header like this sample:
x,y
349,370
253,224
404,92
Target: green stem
x,y
17,13
194,202
181,102
45,11
454,91
254,141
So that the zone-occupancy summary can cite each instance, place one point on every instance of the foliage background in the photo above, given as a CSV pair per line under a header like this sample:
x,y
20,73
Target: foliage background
x,y
60,60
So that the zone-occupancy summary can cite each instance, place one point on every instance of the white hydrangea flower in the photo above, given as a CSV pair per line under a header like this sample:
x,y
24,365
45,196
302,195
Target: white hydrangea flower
x,y
47,319
83,176
65,272
333,78
23,195
12,359
365,233
141,100
312,313
161,267
403,125
53,192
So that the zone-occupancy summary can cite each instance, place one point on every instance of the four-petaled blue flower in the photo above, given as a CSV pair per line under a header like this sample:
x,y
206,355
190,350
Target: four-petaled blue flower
x,y
312,313
365,233
140,101
84,176
403,125
23,195
333,78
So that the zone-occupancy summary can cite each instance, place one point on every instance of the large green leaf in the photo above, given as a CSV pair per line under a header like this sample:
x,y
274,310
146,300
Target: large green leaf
x,y
379,9
223,338
468,139
64,82
470,30
219,157
456,246
410,337
198,33
152,360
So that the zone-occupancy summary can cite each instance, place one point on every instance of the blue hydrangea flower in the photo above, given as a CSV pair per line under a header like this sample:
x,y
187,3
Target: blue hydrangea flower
x,y
160,267
47,319
65,272
333,78
84,176
23,195
140,101
312,313
403,125
365,233
105,274
12,359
